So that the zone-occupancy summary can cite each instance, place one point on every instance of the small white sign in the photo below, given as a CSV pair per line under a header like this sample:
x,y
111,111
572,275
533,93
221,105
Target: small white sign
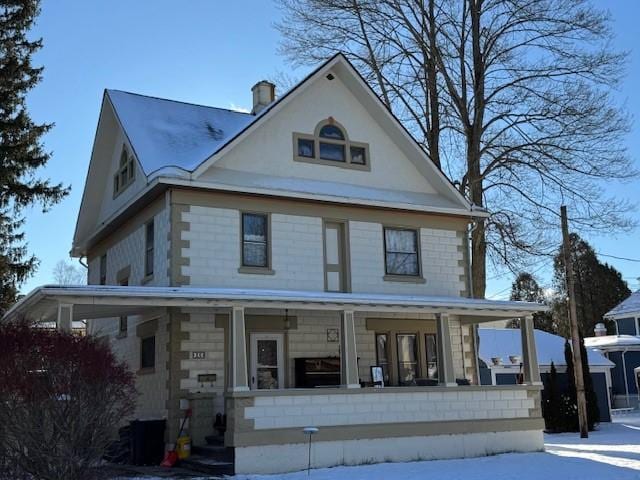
x,y
198,355
377,376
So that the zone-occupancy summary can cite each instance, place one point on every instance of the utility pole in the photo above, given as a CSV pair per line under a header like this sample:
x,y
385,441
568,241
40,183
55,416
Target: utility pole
x,y
575,333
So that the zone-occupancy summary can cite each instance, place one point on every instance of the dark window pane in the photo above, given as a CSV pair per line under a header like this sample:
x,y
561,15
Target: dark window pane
x,y
331,131
254,240
103,270
254,227
148,352
432,356
332,151
305,148
358,155
407,359
150,240
401,252
382,354
123,325
254,254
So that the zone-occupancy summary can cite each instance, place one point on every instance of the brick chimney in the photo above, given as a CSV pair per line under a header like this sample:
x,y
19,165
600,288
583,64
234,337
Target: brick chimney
x,y
264,93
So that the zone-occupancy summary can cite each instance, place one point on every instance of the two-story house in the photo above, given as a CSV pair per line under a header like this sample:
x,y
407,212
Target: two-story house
x,y
274,265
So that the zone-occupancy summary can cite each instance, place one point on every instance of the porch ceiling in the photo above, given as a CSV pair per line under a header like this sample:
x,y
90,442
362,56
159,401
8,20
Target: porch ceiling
x,y
99,301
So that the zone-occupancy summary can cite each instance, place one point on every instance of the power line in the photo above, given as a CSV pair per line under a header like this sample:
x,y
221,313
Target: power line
x,y
620,258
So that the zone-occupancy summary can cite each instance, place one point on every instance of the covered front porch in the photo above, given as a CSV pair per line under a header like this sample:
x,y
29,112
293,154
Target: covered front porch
x,y
278,361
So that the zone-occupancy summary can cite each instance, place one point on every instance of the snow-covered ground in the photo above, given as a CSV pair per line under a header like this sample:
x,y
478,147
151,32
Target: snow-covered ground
x,y
611,453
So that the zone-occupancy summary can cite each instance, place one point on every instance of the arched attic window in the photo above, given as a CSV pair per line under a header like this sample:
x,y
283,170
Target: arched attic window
x,y
125,174
330,145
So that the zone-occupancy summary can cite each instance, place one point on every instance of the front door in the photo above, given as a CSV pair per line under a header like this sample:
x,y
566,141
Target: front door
x,y
267,361
334,257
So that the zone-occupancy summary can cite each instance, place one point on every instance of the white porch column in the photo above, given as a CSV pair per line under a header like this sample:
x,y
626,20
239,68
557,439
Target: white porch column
x,y
529,355
65,317
446,376
348,357
238,376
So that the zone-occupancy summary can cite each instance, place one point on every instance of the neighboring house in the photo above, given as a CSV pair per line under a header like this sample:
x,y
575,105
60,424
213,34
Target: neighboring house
x,y
501,356
242,261
623,349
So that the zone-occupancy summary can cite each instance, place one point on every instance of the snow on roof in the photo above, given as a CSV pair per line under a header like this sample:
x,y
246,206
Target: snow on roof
x,y
503,342
631,305
610,341
166,133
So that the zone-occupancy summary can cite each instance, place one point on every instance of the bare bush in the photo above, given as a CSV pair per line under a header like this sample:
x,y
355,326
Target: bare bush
x,y
62,398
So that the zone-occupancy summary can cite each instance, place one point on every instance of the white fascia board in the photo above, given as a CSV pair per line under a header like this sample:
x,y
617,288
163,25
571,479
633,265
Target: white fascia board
x,y
78,248
322,198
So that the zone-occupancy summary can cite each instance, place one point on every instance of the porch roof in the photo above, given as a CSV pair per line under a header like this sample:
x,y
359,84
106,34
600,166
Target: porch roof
x,y
98,301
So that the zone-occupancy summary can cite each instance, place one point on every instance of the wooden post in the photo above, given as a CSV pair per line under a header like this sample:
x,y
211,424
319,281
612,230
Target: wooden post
x,y
575,333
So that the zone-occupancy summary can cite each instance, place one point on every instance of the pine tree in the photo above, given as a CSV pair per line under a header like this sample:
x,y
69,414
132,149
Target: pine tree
x,y
552,402
598,288
593,411
21,149
525,288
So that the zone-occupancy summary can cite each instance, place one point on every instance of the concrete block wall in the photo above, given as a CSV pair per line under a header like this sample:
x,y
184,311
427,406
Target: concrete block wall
x,y
441,257
390,406
129,252
214,251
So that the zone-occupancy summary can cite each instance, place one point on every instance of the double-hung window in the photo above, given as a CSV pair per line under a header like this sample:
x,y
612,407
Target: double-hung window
x,y
401,252
255,240
148,353
149,248
125,174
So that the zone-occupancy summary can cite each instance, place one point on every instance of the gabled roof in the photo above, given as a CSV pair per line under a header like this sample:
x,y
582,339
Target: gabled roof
x,y
630,306
169,134
503,342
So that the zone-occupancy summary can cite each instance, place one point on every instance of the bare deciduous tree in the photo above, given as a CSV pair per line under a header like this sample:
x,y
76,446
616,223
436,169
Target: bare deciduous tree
x,y
66,273
511,98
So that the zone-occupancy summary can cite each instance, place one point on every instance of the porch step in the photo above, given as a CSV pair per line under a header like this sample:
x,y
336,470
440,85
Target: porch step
x,y
207,465
213,452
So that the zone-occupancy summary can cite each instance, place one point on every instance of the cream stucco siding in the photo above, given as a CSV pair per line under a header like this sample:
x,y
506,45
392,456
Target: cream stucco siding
x,y
269,149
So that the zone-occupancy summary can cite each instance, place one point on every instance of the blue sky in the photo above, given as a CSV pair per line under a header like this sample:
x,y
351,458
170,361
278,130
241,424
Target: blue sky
x,y
209,52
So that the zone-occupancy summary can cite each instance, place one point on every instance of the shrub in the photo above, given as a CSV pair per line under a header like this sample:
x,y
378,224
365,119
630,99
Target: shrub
x,y
62,398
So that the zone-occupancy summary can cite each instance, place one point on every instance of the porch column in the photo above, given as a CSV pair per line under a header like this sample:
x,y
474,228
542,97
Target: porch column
x,y
64,321
446,375
348,357
238,377
529,356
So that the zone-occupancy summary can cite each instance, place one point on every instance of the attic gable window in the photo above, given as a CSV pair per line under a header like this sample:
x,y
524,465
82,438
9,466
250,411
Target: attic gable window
x,y
330,145
125,174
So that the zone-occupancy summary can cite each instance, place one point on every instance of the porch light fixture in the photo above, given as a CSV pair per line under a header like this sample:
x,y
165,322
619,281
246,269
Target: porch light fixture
x,y
309,431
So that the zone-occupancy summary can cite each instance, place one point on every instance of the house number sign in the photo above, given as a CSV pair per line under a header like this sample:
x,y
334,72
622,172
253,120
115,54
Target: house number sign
x,y
198,355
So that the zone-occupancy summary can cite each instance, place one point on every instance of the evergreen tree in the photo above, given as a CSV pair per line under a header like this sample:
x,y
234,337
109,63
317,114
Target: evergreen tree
x,y
21,147
525,288
552,402
593,411
598,288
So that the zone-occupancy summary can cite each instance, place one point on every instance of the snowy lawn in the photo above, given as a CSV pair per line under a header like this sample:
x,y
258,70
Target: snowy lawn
x,y
612,453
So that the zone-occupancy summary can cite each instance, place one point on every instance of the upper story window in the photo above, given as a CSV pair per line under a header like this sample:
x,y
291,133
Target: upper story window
x,y
330,145
401,254
255,240
125,174
149,242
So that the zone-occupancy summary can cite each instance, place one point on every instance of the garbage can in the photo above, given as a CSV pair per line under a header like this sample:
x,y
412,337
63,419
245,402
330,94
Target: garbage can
x,y
147,442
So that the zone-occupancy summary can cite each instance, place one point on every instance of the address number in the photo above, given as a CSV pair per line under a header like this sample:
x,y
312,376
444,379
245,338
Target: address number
x,y
198,355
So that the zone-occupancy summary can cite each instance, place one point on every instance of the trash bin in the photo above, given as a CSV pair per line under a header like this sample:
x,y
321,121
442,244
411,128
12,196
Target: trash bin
x,y
147,442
